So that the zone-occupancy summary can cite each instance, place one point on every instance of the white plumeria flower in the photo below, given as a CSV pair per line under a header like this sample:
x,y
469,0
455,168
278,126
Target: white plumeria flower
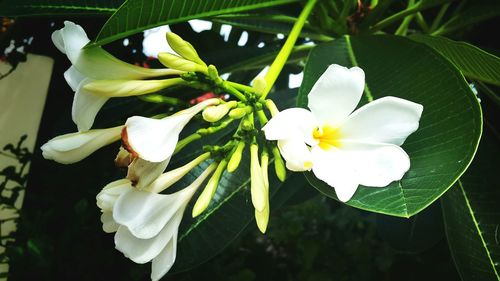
x,y
345,148
146,223
96,75
71,148
154,140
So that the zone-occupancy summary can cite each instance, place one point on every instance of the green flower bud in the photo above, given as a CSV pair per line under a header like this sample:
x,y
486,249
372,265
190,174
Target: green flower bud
x,y
279,165
272,107
209,191
235,159
175,62
240,112
259,193
215,113
264,163
259,85
183,48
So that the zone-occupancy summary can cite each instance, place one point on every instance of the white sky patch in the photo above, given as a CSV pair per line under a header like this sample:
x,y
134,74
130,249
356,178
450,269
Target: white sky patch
x,y
243,39
126,42
261,45
295,80
155,41
263,72
225,75
200,25
225,30
280,35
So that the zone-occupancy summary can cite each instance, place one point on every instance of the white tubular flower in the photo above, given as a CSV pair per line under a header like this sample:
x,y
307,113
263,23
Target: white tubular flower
x,y
94,63
146,223
345,148
71,148
154,140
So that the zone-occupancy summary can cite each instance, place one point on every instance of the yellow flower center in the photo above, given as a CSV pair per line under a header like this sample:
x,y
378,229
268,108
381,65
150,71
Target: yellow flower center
x,y
327,137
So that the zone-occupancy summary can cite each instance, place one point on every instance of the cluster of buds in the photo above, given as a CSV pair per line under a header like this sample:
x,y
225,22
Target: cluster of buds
x,y
145,220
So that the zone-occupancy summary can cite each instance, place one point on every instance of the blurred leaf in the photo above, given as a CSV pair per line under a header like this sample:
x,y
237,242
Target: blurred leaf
x,y
469,17
137,15
231,209
450,127
472,61
472,218
15,8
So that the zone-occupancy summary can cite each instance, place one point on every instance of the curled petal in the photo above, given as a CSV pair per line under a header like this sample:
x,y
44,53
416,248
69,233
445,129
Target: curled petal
x,y
154,140
73,77
106,199
142,173
109,225
336,93
71,148
86,105
385,120
293,123
162,263
296,154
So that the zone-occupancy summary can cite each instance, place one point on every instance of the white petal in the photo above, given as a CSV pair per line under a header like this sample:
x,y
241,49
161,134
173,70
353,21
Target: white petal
x,y
154,140
71,148
109,225
385,120
86,105
73,39
126,88
293,123
376,164
58,40
162,263
145,213
296,154
73,77
336,93
106,199
332,167
142,173
144,250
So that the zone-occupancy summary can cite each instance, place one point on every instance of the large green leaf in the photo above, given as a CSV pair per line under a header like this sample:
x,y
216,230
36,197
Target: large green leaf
x,y
231,209
450,127
14,8
472,61
472,216
137,15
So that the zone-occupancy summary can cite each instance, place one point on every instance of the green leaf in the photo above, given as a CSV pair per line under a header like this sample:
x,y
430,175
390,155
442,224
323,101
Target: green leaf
x,y
273,24
469,17
137,15
472,61
450,127
231,209
15,8
472,216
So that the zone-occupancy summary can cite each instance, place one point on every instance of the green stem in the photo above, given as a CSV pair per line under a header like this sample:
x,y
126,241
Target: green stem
x,y
240,87
397,16
262,117
403,28
233,91
285,51
439,17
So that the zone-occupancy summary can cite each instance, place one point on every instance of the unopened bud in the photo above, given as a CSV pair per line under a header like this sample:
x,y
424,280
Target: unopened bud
x,y
209,191
259,85
257,186
176,62
272,107
183,48
215,113
240,112
279,165
264,163
262,218
235,159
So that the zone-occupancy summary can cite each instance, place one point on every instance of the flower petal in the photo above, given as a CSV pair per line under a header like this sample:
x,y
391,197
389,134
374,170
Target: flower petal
x,y
73,77
376,164
332,167
162,263
142,173
109,225
385,120
126,88
106,199
144,250
154,140
292,123
296,154
86,105
336,93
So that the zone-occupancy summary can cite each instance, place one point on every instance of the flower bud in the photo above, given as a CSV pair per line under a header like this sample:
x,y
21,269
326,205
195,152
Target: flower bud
x,y
215,113
235,159
262,218
240,112
272,107
264,163
183,48
257,186
209,191
279,165
259,85
176,62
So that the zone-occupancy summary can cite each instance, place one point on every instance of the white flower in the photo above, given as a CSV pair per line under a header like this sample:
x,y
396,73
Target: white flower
x,y
345,148
146,223
71,148
92,64
154,140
